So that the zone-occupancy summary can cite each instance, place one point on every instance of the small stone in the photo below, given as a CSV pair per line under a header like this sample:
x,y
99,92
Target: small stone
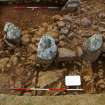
x,y
101,73
85,22
32,48
14,60
8,65
79,51
61,37
61,43
24,32
95,27
101,29
67,18
61,24
45,25
71,35
53,34
37,39
75,41
38,32
101,84
41,29
87,78
57,17
103,47
33,39
102,15
25,39
32,57
22,58
3,63
102,24
64,31
68,25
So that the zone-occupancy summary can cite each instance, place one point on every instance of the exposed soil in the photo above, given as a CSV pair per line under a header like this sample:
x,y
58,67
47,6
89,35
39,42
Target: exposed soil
x,y
18,67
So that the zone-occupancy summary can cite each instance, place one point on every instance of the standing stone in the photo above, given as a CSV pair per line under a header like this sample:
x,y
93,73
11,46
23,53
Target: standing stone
x,y
13,34
47,48
72,5
93,47
94,43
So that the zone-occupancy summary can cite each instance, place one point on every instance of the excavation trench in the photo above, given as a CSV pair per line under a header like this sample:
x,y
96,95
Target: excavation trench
x,y
17,67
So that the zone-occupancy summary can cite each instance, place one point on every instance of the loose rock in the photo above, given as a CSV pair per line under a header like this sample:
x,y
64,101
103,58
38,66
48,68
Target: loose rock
x,y
64,30
25,39
85,22
61,24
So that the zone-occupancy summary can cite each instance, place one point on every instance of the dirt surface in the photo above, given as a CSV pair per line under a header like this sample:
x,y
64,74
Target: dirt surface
x,y
58,100
19,68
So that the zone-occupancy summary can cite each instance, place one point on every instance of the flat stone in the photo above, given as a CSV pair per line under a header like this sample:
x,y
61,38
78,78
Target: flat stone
x,y
49,77
65,53
94,42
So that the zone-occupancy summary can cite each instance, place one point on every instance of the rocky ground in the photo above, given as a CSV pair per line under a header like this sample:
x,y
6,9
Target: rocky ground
x,y
19,67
